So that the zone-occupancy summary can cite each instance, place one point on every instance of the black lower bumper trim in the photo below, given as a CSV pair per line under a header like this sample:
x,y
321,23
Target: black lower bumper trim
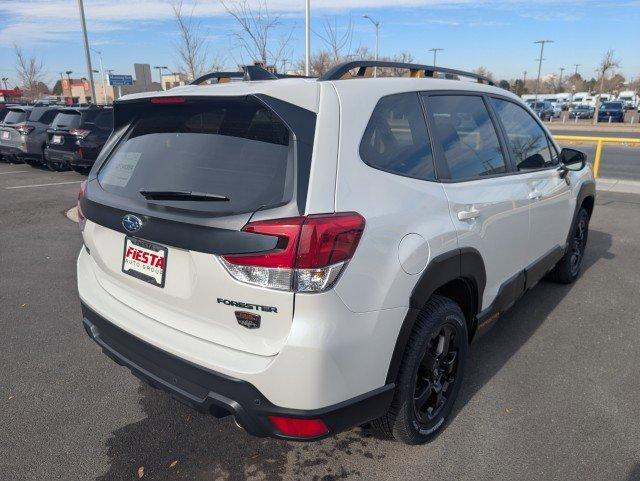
x,y
218,394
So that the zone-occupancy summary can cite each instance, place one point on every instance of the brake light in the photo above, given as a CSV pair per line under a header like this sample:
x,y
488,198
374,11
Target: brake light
x,y
299,428
82,220
79,133
24,129
168,100
80,152
310,253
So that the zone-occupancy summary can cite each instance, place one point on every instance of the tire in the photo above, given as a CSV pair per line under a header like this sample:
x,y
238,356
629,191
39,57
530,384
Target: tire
x,y
80,169
57,166
430,375
567,270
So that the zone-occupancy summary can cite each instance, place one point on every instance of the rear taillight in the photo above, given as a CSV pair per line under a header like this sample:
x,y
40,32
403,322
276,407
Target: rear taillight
x,y
79,133
310,253
82,220
24,129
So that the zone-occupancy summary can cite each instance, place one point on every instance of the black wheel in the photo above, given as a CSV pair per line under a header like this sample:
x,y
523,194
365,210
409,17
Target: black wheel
x,y
430,374
57,166
568,268
80,169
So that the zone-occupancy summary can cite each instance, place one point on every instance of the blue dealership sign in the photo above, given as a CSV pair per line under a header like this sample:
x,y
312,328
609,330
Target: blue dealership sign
x,y
120,80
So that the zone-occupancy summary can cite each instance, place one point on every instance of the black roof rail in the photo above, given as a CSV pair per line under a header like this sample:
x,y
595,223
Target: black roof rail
x,y
364,67
250,72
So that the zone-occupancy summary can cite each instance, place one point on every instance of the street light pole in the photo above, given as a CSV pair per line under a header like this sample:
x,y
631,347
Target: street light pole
x,y
160,68
541,42
307,37
435,51
576,65
377,25
4,81
104,89
86,50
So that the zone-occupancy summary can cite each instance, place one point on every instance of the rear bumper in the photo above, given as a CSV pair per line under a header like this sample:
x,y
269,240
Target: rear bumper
x,y
218,394
10,150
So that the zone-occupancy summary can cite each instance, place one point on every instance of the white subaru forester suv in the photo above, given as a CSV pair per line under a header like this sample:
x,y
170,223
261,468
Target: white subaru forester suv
x,y
309,255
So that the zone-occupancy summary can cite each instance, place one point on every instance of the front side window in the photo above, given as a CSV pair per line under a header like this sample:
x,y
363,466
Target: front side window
x,y
396,139
527,140
467,136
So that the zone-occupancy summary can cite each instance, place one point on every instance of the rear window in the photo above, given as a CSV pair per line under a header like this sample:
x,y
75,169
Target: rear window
x,y
234,148
67,120
16,116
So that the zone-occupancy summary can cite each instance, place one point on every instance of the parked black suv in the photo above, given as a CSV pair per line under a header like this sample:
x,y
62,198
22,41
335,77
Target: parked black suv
x,y
76,137
9,134
28,138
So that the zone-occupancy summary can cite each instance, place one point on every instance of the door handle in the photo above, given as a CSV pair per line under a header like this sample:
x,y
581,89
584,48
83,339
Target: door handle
x,y
469,214
535,195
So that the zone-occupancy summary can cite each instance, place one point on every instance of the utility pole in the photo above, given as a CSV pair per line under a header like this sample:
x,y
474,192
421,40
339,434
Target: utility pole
x,y
69,72
541,42
377,25
307,37
562,69
104,89
160,67
86,50
435,51
576,65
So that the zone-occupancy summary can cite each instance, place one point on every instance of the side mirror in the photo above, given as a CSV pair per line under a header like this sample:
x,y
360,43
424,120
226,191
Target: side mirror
x,y
572,159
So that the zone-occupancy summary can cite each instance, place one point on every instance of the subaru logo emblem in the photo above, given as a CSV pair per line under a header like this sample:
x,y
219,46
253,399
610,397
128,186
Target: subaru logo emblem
x,y
131,223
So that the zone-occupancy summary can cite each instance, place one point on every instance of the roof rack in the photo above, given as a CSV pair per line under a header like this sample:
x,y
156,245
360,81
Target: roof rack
x,y
250,72
365,69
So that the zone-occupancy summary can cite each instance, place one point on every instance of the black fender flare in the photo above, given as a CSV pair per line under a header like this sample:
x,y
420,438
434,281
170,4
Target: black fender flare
x,y
587,189
465,263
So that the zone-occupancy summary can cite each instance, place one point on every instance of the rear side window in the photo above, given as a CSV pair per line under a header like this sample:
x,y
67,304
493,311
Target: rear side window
x,y
16,116
67,120
527,140
396,139
105,119
233,148
467,136
47,117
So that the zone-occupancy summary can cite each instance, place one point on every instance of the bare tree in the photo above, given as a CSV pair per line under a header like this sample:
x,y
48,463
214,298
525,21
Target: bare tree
x,y
30,72
257,26
608,62
338,41
192,45
484,72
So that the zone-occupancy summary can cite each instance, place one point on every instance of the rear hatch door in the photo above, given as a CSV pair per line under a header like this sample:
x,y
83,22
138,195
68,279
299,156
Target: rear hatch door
x,y
9,136
158,254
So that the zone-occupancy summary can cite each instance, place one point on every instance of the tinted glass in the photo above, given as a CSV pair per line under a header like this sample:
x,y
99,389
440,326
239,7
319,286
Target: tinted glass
x,y
66,120
467,136
612,105
527,141
396,139
237,149
16,116
105,119
47,117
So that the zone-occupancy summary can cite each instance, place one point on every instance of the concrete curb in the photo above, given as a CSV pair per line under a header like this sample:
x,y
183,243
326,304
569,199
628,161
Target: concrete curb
x,y
72,214
618,185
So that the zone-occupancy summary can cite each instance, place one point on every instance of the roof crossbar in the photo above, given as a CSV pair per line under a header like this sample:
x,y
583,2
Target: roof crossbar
x,y
342,71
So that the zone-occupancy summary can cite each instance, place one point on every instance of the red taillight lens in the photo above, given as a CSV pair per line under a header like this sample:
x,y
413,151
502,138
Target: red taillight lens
x,y
79,133
299,428
168,100
80,152
310,253
81,218
24,129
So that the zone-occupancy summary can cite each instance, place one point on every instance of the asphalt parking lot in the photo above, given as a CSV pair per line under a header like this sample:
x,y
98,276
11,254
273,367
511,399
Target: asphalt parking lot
x,y
550,394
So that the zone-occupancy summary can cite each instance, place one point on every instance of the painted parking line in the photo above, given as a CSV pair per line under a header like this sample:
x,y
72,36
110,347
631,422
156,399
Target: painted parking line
x,y
42,185
14,172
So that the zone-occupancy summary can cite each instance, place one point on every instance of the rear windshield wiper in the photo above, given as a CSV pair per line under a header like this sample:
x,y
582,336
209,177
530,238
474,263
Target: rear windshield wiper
x,y
182,195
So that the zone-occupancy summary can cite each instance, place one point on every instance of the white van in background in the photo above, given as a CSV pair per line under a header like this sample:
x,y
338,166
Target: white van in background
x,y
629,98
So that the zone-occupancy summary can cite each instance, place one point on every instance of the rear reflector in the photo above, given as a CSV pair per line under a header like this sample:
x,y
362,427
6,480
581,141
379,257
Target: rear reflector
x,y
310,253
299,428
168,100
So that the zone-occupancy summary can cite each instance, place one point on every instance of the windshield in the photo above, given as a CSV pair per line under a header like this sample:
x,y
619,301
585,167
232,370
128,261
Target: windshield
x,y
232,148
611,105
66,120
16,116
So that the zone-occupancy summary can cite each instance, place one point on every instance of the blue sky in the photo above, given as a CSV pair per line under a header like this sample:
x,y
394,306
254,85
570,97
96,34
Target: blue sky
x,y
496,34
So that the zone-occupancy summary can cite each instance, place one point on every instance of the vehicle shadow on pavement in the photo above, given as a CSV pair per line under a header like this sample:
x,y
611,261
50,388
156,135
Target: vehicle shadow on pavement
x,y
492,351
208,448
203,446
